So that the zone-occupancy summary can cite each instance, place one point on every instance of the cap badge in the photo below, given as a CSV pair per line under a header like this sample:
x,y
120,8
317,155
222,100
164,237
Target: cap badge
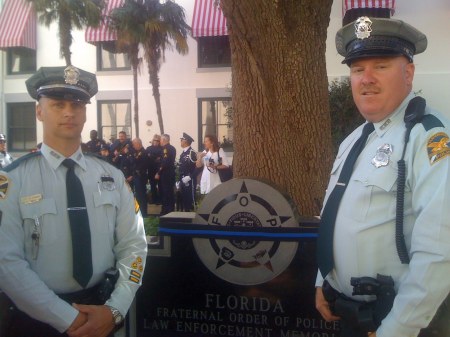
x,y
382,156
71,75
363,27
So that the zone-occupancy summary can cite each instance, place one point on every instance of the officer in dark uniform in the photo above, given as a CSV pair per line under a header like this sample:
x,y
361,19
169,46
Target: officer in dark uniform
x,y
166,175
154,153
95,144
186,169
104,152
140,177
120,149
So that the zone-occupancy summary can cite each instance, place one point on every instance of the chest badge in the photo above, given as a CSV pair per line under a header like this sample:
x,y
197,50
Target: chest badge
x,y
107,183
382,157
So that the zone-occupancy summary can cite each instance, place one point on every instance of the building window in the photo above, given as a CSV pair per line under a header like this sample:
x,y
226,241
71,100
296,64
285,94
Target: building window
x,y
21,121
216,119
214,51
107,59
114,116
20,61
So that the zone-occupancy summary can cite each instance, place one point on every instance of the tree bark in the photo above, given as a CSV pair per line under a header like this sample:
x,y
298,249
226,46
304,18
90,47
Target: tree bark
x,y
280,95
65,36
153,69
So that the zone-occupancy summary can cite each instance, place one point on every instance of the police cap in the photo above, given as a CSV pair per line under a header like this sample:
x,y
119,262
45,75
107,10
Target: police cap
x,y
187,138
68,83
104,147
372,37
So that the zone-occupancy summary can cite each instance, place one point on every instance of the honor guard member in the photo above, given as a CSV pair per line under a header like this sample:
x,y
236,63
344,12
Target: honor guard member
x,y
186,169
166,175
72,241
5,157
384,247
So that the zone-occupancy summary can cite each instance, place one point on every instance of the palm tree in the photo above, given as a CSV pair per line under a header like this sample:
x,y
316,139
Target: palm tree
x,y
126,21
68,14
156,26
165,24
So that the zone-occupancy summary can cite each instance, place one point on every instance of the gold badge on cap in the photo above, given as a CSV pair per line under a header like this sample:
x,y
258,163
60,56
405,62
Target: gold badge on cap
x,y
71,75
363,27
382,156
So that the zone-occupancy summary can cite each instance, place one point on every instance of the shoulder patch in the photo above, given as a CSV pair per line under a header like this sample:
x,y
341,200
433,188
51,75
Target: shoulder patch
x,y
431,121
438,147
4,183
21,160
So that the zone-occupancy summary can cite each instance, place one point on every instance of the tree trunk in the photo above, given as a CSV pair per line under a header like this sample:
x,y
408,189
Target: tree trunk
x,y
65,36
280,95
153,69
136,101
133,54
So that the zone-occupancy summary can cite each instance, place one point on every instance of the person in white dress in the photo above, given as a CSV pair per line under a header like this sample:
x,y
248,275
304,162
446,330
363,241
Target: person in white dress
x,y
212,159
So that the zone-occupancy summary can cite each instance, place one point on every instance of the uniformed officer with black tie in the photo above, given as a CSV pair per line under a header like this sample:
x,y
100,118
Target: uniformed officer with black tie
x,y
186,169
67,220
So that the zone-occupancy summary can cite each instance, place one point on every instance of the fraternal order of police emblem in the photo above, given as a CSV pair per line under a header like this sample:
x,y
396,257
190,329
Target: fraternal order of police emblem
x,y
71,75
363,27
243,204
382,156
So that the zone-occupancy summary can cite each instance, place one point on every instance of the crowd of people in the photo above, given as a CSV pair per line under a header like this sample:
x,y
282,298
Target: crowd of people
x,y
155,173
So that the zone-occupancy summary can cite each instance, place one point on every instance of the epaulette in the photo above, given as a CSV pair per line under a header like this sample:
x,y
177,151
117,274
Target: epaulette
x,y
20,160
431,121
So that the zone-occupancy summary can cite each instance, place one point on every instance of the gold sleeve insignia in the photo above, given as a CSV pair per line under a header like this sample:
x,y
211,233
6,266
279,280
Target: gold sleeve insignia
x,y
137,269
4,183
136,206
438,147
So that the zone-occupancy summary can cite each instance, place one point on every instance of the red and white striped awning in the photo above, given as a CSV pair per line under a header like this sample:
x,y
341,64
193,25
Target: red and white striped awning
x,y
17,25
350,4
208,19
103,33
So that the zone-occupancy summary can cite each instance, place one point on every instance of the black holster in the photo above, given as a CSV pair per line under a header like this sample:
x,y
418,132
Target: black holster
x,y
364,316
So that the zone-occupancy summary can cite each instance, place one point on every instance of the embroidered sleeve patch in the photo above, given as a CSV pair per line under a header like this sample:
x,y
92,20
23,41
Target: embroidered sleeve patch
x,y
137,269
438,147
4,183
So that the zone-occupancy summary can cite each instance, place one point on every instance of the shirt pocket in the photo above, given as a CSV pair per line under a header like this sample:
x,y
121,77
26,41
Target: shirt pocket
x,y
106,204
39,216
373,194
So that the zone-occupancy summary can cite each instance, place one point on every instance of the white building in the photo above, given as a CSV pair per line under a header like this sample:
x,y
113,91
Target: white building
x,y
194,88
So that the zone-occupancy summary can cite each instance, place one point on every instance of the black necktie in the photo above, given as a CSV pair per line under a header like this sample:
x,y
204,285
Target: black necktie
x,y
79,226
328,218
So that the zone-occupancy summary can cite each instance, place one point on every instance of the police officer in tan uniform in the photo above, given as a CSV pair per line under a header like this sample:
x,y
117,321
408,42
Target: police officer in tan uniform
x,y
37,237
